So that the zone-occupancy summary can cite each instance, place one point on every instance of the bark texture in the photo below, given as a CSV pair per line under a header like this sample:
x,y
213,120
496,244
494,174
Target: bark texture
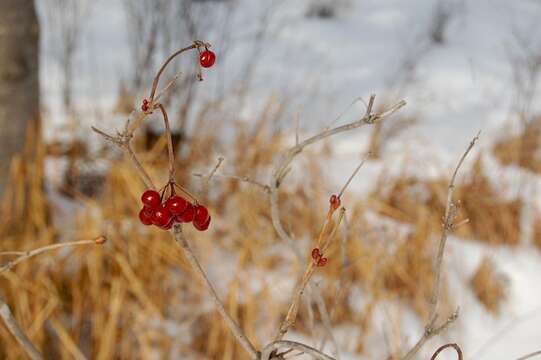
x,y
19,78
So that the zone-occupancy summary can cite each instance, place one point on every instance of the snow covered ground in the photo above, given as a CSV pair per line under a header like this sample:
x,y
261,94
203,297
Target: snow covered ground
x,y
320,65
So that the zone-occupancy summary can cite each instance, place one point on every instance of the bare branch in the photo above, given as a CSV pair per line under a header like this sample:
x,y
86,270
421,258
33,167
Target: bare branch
x,y
213,172
123,142
368,118
530,355
353,175
267,352
448,225
431,332
246,179
171,155
292,312
232,324
282,167
25,255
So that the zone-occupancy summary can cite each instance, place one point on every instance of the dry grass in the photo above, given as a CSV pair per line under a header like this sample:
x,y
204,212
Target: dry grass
x,y
522,150
489,286
136,297
492,218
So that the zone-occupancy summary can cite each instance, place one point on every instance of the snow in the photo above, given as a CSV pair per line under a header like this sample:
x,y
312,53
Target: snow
x,y
321,66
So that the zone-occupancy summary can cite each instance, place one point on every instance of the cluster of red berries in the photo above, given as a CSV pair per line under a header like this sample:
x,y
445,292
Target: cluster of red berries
x,y
146,105
319,260
207,58
174,209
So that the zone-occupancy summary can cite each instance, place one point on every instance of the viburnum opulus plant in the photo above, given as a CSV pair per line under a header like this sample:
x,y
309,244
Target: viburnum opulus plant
x,y
170,205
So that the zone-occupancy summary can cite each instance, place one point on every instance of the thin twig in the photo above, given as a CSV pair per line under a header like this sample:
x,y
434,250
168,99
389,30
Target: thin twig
x,y
123,142
16,331
353,175
167,87
170,151
31,253
266,353
443,347
282,167
293,309
11,253
530,355
232,324
429,333
246,179
449,217
195,45
368,118
447,226
213,172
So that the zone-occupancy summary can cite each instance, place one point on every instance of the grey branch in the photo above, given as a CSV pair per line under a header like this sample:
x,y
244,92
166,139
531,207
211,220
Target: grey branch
x,y
123,142
449,217
232,324
24,255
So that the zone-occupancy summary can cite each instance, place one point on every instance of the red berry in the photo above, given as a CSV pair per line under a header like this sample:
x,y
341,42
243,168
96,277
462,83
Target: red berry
x,y
207,58
145,215
176,205
169,225
322,261
335,202
151,199
316,254
201,214
161,217
188,215
202,226
145,105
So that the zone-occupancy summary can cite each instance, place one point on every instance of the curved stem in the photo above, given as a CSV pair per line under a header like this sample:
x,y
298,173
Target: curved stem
x,y
441,348
269,349
195,45
171,153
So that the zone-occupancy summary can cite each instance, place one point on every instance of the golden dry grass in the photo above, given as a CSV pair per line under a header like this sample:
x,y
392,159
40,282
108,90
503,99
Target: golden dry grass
x,y
136,297
489,286
492,218
523,149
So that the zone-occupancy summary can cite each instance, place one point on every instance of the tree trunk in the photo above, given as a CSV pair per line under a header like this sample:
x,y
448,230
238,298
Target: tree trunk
x,y
19,78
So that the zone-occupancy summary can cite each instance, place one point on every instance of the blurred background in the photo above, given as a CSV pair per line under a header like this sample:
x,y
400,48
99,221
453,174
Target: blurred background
x,y
283,68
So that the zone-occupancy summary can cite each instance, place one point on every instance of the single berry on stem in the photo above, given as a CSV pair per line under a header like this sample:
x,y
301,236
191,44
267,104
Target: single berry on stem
x,y
316,255
176,205
188,215
207,58
145,215
201,214
151,199
202,226
161,217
